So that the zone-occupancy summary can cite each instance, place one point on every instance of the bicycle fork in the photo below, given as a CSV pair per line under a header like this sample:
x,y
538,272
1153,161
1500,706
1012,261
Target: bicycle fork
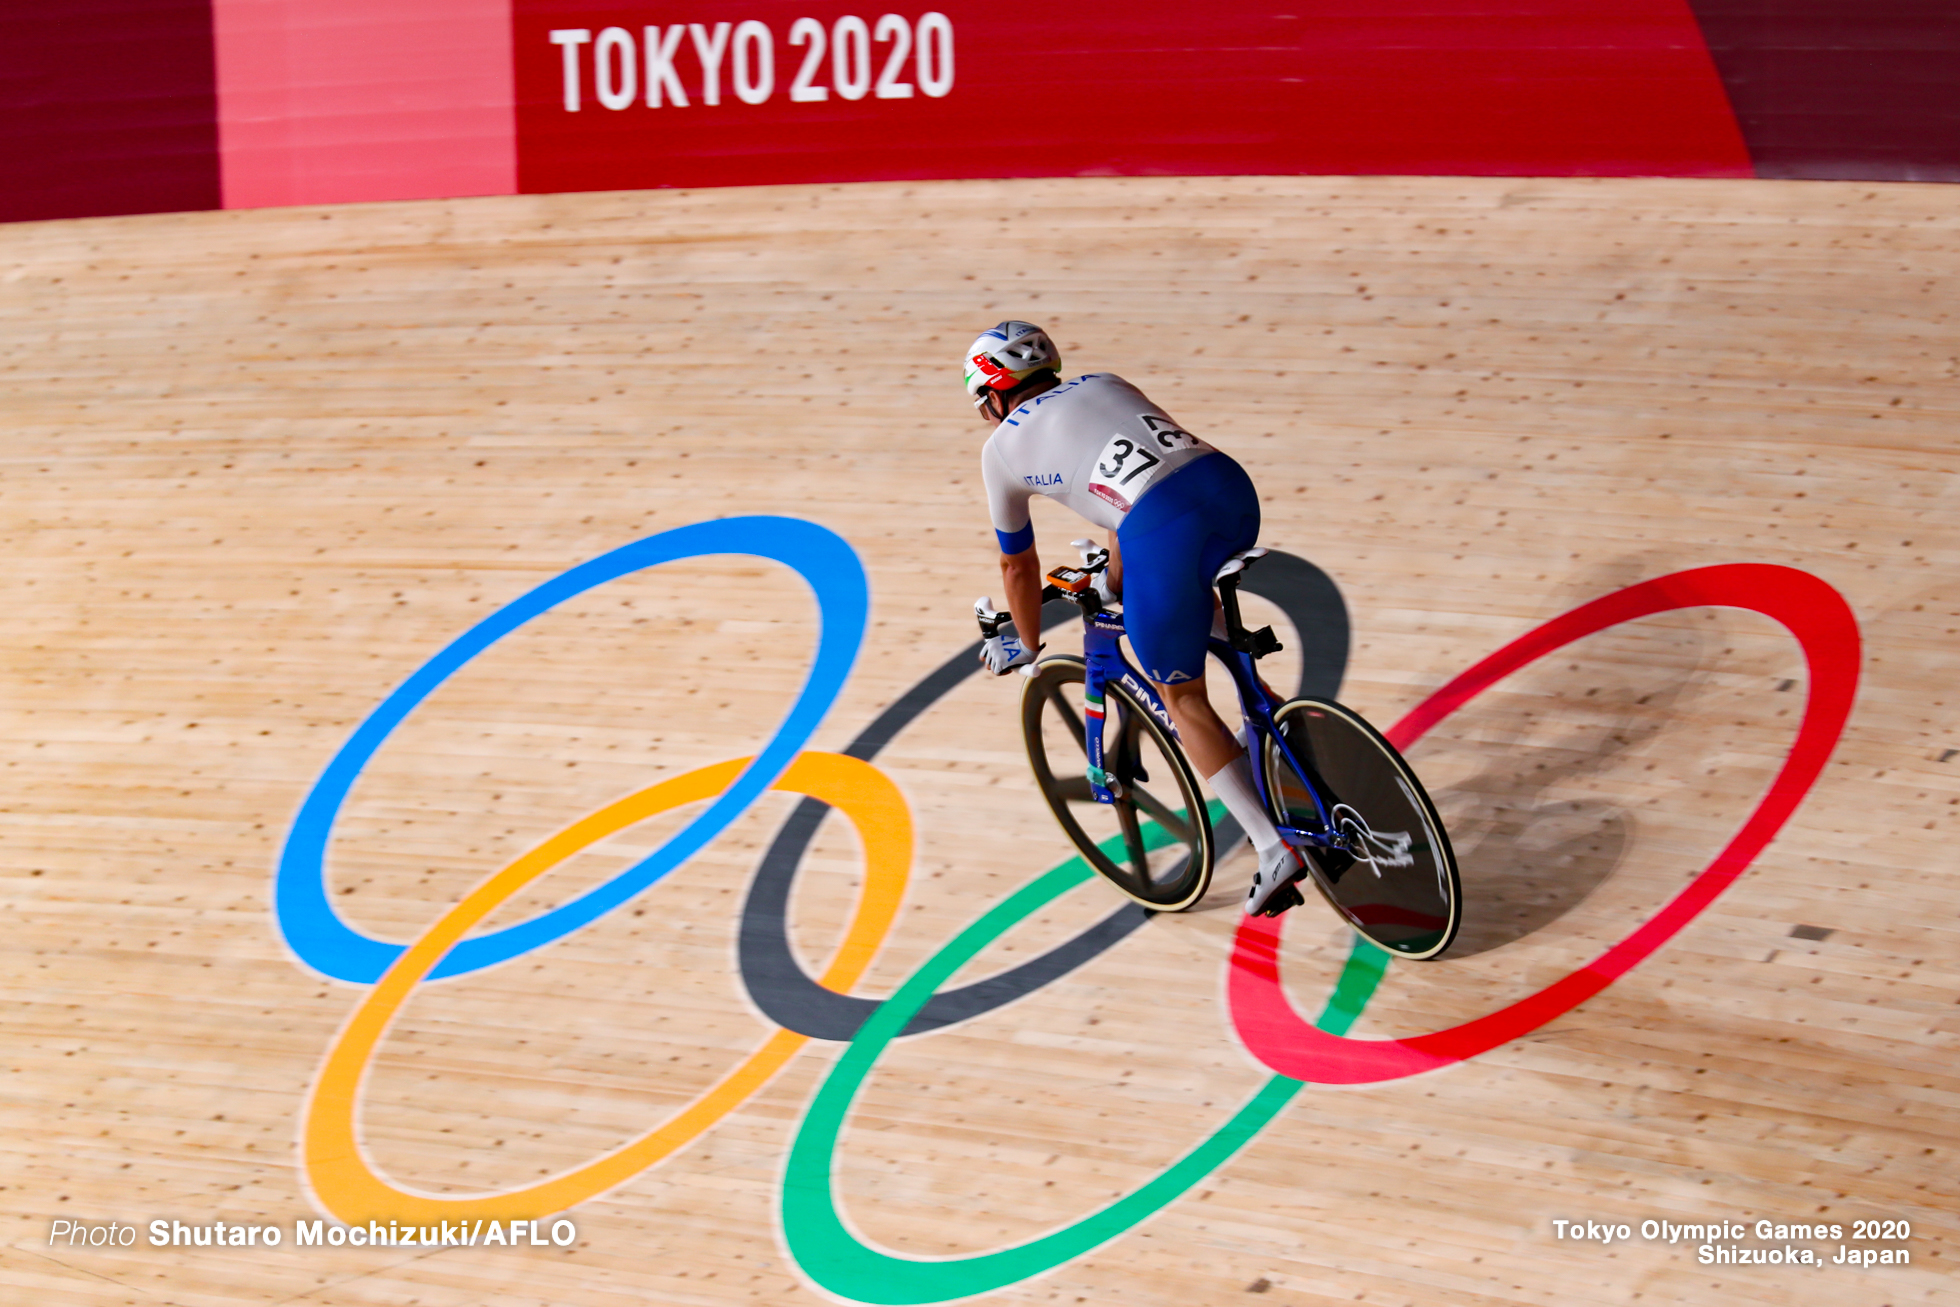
x,y
1099,648
1103,660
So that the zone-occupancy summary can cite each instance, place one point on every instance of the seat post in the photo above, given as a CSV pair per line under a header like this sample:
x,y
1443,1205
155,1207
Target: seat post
x,y
1228,599
1258,643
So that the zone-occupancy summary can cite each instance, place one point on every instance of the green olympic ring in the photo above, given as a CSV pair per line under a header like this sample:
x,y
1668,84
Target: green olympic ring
x,y
840,1263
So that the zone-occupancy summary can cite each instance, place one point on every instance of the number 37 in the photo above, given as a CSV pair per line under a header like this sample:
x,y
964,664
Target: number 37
x,y
1118,452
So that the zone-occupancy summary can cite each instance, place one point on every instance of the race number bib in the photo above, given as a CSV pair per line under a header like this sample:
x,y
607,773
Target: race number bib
x,y
1127,462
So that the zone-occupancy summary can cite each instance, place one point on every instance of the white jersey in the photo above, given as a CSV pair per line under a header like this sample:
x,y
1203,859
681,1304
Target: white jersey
x,y
1094,444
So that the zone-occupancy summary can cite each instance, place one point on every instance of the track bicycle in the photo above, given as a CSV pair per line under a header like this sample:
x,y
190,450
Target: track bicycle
x,y
1119,784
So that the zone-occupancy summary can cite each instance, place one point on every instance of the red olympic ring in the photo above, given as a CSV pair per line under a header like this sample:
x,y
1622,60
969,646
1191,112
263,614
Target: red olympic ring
x,y
1822,623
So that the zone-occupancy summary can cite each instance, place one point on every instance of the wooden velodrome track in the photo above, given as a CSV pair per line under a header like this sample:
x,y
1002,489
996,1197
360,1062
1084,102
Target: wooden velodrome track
x,y
261,467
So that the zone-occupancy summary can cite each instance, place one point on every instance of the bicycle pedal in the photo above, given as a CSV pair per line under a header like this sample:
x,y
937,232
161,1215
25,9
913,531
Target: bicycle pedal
x,y
1286,898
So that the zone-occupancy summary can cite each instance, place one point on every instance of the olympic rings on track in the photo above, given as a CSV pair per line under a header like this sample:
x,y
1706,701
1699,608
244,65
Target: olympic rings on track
x,y
329,945
808,1008
1828,632
354,1192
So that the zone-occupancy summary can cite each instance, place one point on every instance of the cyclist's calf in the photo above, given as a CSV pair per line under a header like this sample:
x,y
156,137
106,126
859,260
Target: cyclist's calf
x,y
1207,742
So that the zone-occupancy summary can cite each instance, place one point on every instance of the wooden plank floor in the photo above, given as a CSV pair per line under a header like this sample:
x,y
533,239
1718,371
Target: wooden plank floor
x,y
258,467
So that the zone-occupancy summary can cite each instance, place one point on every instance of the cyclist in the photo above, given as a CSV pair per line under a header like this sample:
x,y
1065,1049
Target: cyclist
x,y
1175,508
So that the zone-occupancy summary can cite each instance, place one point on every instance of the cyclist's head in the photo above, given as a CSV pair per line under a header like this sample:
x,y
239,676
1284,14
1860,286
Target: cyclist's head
x,y
1007,363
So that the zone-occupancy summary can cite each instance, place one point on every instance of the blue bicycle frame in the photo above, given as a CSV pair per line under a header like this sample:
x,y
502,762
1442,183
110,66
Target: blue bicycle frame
x,y
1104,662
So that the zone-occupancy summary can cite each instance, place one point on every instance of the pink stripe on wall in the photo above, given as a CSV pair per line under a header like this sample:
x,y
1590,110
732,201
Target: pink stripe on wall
x,y
335,101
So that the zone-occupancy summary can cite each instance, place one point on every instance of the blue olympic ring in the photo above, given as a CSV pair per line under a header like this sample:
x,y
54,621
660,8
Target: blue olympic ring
x,y
326,943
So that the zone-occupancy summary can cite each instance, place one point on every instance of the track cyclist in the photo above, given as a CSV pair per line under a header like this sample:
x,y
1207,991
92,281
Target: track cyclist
x,y
1175,509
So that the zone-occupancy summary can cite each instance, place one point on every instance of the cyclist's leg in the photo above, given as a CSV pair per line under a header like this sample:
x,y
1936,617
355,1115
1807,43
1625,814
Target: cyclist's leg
x,y
1223,762
1207,741
1116,584
1174,542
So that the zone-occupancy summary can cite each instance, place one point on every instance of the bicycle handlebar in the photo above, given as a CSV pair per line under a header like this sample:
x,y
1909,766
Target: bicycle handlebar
x,y
1078,587
1081,592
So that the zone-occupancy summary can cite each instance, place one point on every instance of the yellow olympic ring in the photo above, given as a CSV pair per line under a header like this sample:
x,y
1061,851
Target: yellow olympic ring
x,y
349,1188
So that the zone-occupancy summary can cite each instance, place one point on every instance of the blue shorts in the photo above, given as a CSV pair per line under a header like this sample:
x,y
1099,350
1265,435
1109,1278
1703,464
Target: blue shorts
x,y
1173,543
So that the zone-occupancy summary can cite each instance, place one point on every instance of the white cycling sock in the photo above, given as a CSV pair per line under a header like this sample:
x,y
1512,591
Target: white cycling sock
x,y
1232,783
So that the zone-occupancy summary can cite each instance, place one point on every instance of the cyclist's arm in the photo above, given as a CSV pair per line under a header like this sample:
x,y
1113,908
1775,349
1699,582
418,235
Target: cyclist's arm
x,y
1020,577
1115,569
1020,564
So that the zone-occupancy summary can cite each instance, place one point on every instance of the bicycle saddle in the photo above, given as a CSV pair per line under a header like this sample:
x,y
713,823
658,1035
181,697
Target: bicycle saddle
x,y
1238,563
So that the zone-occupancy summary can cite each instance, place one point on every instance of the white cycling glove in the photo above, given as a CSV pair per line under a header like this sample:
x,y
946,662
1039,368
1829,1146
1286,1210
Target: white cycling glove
x,y
1003,653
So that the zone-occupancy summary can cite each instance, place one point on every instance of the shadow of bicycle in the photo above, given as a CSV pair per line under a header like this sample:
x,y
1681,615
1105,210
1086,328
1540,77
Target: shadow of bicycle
x,y
1529,849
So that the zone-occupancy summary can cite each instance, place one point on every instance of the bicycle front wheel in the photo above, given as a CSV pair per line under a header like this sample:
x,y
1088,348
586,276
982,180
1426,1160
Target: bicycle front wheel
x,y
1154,843
1399,888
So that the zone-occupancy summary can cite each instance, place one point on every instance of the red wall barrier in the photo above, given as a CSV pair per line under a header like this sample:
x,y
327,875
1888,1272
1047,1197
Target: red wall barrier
x,y
113,106
1865,89
1396,86
106,106
325,101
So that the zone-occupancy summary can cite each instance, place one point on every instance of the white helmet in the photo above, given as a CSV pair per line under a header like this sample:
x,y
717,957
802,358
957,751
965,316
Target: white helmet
x,y
1005,356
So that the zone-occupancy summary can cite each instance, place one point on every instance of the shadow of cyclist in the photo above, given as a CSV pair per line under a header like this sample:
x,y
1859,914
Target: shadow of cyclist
x,y
1529,850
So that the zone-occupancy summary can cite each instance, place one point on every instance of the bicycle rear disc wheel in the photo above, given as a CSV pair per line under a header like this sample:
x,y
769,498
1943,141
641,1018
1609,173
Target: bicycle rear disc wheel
x,y
1402,890
1155,842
